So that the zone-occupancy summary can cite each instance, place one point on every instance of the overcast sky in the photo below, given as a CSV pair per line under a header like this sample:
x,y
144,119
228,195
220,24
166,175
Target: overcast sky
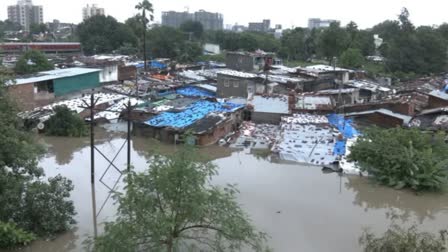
x,y
286,12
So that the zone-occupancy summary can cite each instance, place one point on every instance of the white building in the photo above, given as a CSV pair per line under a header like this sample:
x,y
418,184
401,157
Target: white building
x,y
315,23
25,14
91,10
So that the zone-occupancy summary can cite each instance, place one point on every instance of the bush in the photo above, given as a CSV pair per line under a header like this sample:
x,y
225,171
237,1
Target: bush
x,y
12,236
403,158
397,239
33,62
65,123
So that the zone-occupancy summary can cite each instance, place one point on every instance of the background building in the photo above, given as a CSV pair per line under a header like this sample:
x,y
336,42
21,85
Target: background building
x,y
91,10
209,20
314,23
264,26
25,14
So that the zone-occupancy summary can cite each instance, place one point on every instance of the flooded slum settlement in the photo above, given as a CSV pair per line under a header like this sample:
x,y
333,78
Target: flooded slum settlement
x,y
271,129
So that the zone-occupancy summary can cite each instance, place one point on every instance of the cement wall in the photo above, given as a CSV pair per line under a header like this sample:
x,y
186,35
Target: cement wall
x,y
269,118
240,62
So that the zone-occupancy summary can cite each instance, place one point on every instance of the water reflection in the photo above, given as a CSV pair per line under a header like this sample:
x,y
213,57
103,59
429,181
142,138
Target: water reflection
x,y
296,205
405,204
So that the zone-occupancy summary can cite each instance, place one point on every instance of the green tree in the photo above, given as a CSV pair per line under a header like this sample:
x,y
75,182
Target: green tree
x,y
397,238
352,58
32,62
403,158
28,205
145,6
165,42
333,41
12,236
65,123
101,34
194,28
173,206
190,52
294,46
38,28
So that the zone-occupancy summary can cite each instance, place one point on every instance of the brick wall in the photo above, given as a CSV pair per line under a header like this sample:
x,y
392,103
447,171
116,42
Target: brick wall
x,y
401,108
23,95
435,102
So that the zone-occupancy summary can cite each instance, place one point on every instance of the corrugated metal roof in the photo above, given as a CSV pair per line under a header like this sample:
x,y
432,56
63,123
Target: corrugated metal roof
x,y
406,119
55,74
439,94
314,102
238,74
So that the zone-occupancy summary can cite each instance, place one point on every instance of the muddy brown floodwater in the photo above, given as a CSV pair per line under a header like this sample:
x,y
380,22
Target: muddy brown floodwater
x,y
300,208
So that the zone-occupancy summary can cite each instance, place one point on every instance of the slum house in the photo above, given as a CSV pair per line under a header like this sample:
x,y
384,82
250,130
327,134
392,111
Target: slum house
x,y
347,95
207,121
431,119
236,84
381,117
267,109
437,99
368,90
249,62
313,104
324,77
45,87
397,106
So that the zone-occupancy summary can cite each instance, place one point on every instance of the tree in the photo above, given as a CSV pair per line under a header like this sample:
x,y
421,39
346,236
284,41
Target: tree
x,y
409,239
65,123
294,46
38,28
193,27
28,205
173,206
352,58
190,52
101,34
32,62
403,158
333,41
145,6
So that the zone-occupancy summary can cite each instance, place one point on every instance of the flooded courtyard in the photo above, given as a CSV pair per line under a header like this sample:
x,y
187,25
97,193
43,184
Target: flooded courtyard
x,y
300,207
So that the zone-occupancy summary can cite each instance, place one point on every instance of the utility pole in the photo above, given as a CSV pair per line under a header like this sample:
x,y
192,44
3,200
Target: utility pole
x,y
129,108
92,162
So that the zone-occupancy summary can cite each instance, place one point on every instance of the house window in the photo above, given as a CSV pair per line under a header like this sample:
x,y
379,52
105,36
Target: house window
x,y
226,84
236,84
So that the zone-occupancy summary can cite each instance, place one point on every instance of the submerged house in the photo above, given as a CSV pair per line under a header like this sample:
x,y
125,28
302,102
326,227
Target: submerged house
x,y
206,120
44,88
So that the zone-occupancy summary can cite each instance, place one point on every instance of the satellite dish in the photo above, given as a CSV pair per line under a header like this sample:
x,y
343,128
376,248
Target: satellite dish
x,y
40,126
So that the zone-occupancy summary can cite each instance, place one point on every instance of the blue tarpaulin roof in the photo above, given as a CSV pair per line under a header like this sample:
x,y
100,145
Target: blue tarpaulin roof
x,y
346,128
343,125
193,113
153,64
194,92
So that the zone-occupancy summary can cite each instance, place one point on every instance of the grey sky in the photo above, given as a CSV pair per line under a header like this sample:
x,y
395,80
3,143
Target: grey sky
x,y
286,12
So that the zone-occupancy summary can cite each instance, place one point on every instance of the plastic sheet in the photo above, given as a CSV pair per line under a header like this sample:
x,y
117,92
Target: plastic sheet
x,y
195,92
193,113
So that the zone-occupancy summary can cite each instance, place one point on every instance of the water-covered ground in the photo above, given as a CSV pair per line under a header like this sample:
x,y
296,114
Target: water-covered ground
x,y
300,208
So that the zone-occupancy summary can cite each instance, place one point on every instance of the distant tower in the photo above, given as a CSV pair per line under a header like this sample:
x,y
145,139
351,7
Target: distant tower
x,y
25,14
91,10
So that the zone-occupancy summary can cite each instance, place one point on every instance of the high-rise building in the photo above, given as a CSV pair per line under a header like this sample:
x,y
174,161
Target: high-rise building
x,y
264,26
91,10
209,20
315,23
25,14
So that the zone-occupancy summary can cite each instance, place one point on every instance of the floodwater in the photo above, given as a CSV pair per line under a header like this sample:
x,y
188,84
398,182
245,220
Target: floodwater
x,y
299,207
